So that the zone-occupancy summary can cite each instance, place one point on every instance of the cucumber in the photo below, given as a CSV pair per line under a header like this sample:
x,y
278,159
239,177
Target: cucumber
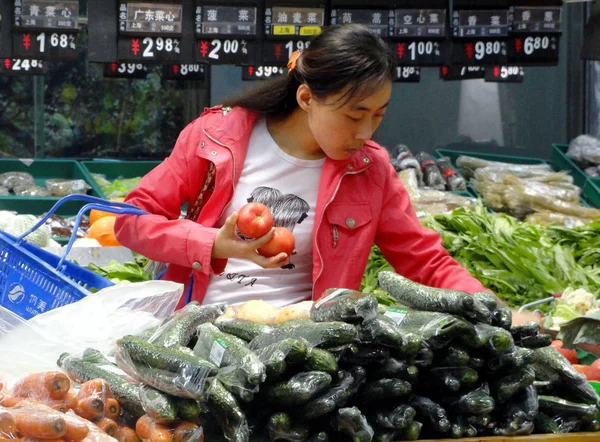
x,y
424,358
276,356
319,437
95,357
364,355
553,406
351,422
381,330
397,419
344,305
421,297
464,375
528,329
187,409
225,409
538,341
455,356
447,384
477,401
280,428
456,431
181,326
299,389
384,389
243,329
226,350
476,363
502,318
318,359
383,435
506,387
240,392
488,299
125,392
412,432
527,401
322,334
544,424
393,368
411,347
431,412
334,398
159,406
517,358
469,431
494,339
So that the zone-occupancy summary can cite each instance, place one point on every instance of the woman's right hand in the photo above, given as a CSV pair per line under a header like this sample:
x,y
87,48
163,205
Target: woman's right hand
x,y
229,245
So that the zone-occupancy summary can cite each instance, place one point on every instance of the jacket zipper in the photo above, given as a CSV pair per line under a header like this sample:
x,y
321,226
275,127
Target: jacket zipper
x,y
336,236
233,171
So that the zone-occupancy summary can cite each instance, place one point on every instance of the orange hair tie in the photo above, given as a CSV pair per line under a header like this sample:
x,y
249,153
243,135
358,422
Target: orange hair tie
x,y
293,61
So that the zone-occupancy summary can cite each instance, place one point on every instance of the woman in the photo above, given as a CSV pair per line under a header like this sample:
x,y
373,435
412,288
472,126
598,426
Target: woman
x,y
301,145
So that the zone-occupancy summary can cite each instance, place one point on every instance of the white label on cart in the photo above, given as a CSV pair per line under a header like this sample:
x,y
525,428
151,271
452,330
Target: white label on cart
x,y
328,298
218,351
396,315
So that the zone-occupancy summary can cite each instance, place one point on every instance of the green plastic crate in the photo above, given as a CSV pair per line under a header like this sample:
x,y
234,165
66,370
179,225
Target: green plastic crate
x,y
560,161
115,169
42,170
591,191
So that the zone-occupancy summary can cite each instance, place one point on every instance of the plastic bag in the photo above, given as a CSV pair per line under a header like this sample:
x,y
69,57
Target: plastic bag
x,y
432,176
31,190
10,180
4,191
410,181
344,305
584,149
116,311
453,180
16,225
61,187
403,159
589,171
150,429
468,165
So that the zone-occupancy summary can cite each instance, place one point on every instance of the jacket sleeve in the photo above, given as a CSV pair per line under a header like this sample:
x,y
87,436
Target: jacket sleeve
x,y
161,235
414,251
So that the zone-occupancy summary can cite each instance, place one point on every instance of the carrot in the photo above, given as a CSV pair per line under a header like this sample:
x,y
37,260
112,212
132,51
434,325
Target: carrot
x,y
71,399
112,409
8,423
51,384
127,434
95,388
90,408
184,432
109,426
146,428
77,428
32,422
10,401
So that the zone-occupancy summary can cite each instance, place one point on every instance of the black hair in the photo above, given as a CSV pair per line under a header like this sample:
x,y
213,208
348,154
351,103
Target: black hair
x,y
349,59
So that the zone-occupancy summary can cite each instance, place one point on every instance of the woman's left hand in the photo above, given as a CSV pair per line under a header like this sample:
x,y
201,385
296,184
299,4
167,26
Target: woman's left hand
x,y
519,318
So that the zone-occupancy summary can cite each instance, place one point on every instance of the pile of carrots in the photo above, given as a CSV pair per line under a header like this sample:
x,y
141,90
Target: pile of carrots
x,y
48,407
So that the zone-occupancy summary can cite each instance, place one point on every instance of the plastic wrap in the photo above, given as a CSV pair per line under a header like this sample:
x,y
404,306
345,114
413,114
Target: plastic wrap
x,y
593,172
150,429
545,218
280,428
31,190
61,187
344,305
351,422
432,176
299,389
584,149
453,180
468,165
277,356
10,180
4,191
403,159
410,181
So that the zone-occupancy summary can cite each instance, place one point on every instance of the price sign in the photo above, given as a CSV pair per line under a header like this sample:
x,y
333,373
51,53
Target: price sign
x,y
287,21
253,73
420,52
46,14
534,50
378,21
535,19
230,51
504,74
45,45
479,52
148,49
407,74
226,20
278,53
453,73
422,23
19,66
150,18
125,70
178,71
486,23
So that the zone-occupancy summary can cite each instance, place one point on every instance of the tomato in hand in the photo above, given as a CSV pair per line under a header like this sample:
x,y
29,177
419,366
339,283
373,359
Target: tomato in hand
x,y
282,241
571,355
593,373
254,220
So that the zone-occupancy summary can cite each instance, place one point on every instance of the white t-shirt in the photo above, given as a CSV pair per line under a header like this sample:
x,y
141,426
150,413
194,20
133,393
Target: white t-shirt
x,y
288,186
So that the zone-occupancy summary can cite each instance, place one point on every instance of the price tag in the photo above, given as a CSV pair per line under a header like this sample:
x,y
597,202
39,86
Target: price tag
x,y
278,53
18,66
45,45
430,23
396,315
125,70
217,351
282,21
480,23
407,74
230,51
148,49
479,52
534,50
46,14
226,20
150,18
420,52
184,72
504,74
377,20
452,73
535,19
253,73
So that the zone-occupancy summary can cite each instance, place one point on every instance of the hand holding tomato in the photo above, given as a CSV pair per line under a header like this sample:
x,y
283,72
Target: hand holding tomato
x,y
254,220
282,241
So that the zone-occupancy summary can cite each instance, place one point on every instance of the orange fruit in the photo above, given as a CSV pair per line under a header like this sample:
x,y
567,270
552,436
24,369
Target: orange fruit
x,y
103,231
95,215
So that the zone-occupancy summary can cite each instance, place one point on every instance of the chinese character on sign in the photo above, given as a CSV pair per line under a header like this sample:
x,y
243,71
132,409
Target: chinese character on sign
x,y
297,17
135,17
159,15
211,15
526,16
244,15
495,20
434,18
549,16
50,11
123,15
33,299
311,18
149,15
34,11
346,17
42,305
282,17
472,20
66,13
376,18
170,16
407,19
421,19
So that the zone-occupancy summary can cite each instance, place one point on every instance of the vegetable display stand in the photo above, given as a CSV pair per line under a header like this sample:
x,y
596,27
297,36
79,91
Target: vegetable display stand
x,y
33,280
43,170
567,437
117,169
560,161
591,191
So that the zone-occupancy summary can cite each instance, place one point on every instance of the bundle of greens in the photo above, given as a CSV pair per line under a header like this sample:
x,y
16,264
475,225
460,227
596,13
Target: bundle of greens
x,y
129,271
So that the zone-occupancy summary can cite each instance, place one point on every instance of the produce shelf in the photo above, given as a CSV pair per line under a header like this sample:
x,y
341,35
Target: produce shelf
x,y
561,161
591,191
115,169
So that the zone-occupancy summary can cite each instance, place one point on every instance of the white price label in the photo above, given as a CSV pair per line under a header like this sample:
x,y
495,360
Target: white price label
x,y
422,48
217,352
268,71
487,48
533,44
56,40
229,47
159,44
396,315
298,45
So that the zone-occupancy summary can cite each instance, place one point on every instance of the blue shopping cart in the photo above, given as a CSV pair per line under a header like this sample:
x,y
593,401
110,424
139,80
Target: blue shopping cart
x,y
33,281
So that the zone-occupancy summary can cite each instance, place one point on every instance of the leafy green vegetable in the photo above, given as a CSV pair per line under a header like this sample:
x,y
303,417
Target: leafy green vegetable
x,y
130,271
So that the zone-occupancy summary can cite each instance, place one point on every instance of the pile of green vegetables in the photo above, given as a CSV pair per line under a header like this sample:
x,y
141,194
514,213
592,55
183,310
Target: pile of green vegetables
x,y
521,262
133,271
438,364
118,188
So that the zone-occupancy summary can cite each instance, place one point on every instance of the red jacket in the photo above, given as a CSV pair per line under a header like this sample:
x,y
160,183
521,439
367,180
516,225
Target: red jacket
x,y
361,198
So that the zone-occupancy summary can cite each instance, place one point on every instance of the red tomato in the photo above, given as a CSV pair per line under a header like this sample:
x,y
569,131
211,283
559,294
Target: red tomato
x,y
571,355
282,241
593,373
254,220
583,369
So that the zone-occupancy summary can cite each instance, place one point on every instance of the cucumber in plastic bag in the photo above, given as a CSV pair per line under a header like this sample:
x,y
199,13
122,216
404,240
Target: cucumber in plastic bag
x,y
351,422
344,305
299,389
